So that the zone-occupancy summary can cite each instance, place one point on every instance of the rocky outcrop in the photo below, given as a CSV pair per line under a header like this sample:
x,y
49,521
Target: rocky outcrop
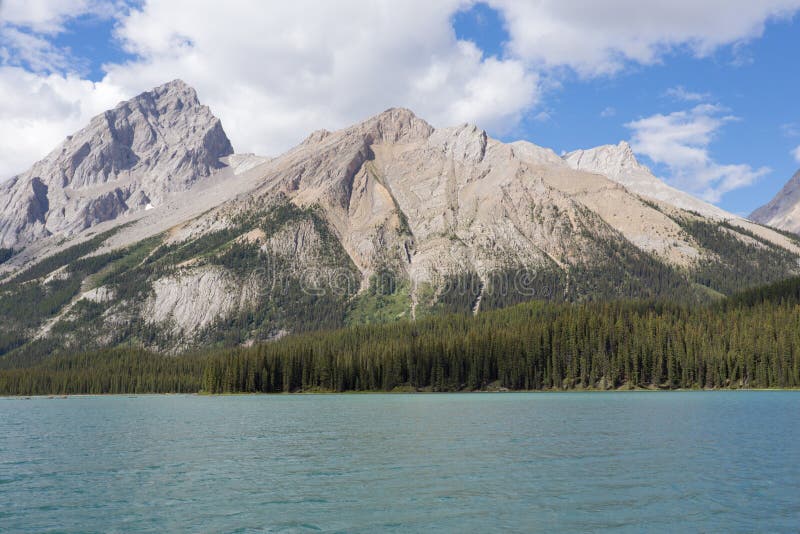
x,y
194,298
619,163
783,211
160,142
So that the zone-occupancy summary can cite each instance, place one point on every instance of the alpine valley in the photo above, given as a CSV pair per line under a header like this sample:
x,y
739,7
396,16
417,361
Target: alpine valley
x,y
146,229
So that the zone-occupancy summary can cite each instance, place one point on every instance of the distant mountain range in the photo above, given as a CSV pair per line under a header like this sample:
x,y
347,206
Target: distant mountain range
x,y
146,228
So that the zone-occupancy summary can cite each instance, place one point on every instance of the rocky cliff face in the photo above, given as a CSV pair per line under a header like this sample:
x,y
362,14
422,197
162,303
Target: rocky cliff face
x,y
431,202
127,159
783,211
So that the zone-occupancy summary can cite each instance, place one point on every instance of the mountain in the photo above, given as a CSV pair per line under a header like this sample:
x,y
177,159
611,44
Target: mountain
x,y
618,163
783,211
387,219
127,159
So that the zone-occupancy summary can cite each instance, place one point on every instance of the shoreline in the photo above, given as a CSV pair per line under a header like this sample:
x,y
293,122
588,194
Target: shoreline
x,y
62,396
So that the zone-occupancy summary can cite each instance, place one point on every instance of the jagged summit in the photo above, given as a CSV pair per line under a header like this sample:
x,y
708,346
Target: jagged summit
x,y
395,125
618,162
783,211
174,85
606,159
316,136
176,89
127,158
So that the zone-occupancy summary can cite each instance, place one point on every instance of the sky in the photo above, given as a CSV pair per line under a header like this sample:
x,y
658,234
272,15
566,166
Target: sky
x,y
704,91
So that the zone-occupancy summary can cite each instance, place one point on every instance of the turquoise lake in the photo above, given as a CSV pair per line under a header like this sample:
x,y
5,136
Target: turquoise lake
x,y
523,462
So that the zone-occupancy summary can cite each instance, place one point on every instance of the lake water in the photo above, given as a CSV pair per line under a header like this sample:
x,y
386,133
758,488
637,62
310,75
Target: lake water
x,y
671,462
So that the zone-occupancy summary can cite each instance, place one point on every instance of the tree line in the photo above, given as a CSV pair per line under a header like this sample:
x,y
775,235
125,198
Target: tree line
x,y
749,341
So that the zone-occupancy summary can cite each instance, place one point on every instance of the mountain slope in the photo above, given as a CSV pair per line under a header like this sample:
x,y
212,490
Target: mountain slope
x,y
783,211
127,159
618,163
386,219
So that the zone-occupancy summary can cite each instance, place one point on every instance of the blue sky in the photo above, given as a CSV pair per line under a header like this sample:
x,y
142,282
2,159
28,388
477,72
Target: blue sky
x,y
90,40
705,92
757,82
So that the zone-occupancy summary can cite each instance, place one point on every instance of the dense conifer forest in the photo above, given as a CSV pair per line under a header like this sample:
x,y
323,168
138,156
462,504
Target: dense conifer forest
x,y
751,340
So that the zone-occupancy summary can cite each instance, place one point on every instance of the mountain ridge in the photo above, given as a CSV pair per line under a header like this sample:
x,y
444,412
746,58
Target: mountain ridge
x,y
619,163
385,219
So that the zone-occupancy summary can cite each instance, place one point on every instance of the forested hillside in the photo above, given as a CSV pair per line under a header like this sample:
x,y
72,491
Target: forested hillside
x,y
749,341
174,245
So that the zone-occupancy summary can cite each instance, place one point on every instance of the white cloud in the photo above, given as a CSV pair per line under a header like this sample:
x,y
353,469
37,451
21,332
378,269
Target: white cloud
x,y
796,154
598,38
43,97
38,111
607,112
681,140
26,27
273,75
48,16
275,71
32,51
681,93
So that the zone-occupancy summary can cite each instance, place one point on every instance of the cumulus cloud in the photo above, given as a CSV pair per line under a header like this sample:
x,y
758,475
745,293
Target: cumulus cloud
x,y
680,141
32,51
27,26
275,74
599,38
796,154
43,96
48,16
37,111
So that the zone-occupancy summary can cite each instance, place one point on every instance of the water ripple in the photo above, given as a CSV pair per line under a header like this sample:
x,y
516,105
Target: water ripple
x,y
719,462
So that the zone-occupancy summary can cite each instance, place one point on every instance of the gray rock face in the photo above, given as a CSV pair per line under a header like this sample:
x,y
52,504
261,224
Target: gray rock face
x,y
783,211
431,202
619,163
126,159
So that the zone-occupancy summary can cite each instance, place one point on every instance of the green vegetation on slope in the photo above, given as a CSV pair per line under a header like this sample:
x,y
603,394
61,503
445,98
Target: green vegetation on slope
x,y
296,277
65,257
620,270
387,299
280,299
785,292
26,304
736,266
750,341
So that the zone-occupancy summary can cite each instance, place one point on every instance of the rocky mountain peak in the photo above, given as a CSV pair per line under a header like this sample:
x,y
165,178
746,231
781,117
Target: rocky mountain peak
x,y
606,159
783,211
396,125
128,158
176,86
618,162
171,98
